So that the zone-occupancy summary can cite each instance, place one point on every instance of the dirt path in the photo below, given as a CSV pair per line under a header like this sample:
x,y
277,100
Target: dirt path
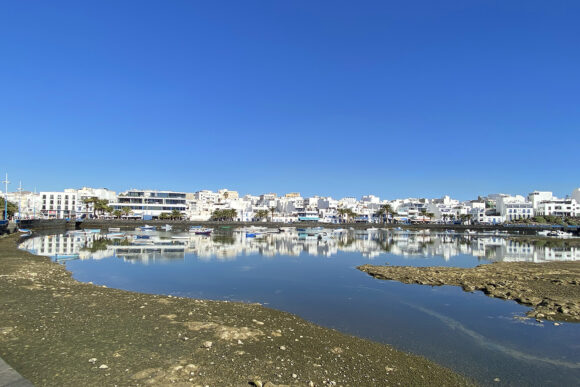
x,y
56,331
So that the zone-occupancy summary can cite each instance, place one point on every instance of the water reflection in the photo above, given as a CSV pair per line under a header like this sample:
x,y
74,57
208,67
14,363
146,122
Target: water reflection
x,y
148,247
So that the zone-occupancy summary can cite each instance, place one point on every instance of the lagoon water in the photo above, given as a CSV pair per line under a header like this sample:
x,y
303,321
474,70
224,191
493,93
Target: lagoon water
x,y
315,277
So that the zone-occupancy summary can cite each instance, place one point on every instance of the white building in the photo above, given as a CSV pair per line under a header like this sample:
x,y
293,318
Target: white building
x,y
150,204
537,197
514,207
559,207
58,205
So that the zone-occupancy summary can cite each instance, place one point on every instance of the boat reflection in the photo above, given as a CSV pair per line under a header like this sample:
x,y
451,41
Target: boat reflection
x,y
136,246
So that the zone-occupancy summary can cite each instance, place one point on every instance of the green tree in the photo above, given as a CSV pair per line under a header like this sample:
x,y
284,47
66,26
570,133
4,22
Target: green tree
x,y
176,214
126,211
261,214
117,213
272,211
387,209
12,208
224,215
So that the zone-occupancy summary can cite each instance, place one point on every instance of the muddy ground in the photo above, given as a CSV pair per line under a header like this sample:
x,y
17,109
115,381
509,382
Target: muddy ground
x,y
552,289
56,331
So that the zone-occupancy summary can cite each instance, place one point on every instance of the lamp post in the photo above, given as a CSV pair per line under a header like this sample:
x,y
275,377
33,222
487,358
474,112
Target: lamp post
x,y
6,182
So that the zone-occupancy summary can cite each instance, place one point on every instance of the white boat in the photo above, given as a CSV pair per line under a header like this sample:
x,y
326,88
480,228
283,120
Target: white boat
x,y
95,230
147,228
167,227
114,229
180,237
198,230
560,234
544,233
115,235
468,231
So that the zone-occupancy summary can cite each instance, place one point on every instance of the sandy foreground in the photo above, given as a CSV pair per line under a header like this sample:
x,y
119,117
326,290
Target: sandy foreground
x,y
552,289
56,331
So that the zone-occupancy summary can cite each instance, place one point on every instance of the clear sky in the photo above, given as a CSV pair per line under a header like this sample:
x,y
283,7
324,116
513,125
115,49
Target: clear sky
x,y
341,98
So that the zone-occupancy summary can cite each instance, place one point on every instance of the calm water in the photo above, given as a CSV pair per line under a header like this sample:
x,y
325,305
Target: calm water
x,y
314,276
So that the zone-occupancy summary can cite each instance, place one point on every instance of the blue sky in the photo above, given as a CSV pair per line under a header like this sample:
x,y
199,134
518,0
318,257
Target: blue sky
x,y
340,98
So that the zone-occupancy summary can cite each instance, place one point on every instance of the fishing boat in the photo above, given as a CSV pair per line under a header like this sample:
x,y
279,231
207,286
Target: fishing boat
x,y
24,230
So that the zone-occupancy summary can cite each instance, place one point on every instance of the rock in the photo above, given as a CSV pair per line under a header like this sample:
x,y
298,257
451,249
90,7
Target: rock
x,y
103,366
207,344
311,384
93,360
556,324
257,383
294,376
496,380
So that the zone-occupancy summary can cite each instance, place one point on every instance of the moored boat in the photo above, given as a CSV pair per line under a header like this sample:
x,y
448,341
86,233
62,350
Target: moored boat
x,y
198,230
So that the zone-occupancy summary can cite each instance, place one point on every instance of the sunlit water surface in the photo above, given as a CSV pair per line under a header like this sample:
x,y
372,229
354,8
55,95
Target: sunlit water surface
x,y
313,274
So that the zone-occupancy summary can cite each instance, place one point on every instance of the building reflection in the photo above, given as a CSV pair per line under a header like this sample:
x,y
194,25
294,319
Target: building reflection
x,y
163,247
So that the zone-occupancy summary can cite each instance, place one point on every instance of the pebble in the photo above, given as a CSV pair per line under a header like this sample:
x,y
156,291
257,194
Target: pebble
x,y
496,380
294,376
311,384
103,366
283,348
207,344
557,324
93,360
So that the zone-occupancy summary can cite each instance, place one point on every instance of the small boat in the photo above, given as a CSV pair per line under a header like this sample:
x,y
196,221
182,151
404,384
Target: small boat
x,y
147,228
142,237
544,233
468,231
251,235
560,234
24,230
198,230
180,237
167,227
338,230
115,235
114,229
95,230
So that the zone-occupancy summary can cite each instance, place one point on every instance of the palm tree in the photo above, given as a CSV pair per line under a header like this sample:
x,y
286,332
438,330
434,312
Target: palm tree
x,y
93,201
272,210
117,213
261,214
176,214
387,209
126,211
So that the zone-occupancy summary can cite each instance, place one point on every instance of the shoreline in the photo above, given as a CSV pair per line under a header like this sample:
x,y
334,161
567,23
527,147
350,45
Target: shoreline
x,y
551,289
58,331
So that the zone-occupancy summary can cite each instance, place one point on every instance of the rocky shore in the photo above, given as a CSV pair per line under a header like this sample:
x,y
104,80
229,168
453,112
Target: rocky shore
x,y
56,331
552,289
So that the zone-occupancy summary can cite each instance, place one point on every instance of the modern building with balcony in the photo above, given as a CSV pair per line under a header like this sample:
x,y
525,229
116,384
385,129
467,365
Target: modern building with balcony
x,y
149,204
